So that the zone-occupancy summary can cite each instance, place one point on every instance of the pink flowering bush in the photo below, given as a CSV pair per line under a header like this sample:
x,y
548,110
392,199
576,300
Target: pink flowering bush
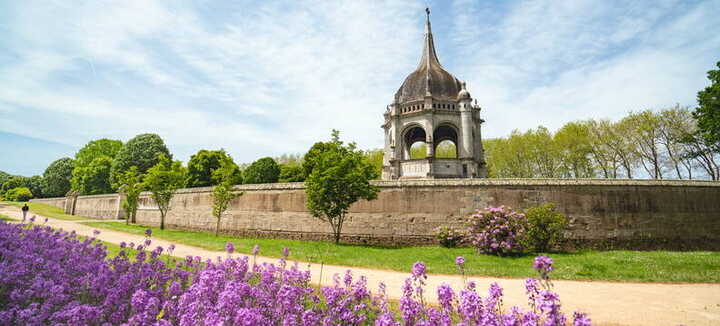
x,y
53,277
497,231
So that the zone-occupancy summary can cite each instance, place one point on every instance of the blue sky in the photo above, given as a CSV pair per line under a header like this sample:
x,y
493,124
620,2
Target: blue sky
x,y
262,78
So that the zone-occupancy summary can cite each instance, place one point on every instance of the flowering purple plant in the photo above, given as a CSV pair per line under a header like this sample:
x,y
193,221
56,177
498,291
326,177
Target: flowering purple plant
x,y
74,283
148,232
229,247
449,237
497,231
256,250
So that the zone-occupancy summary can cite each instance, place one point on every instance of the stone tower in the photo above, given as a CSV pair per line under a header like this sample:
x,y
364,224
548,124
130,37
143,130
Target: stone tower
x,y
432,106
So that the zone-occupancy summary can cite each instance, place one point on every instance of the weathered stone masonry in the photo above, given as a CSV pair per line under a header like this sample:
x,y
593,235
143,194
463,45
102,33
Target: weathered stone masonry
x,y
604,213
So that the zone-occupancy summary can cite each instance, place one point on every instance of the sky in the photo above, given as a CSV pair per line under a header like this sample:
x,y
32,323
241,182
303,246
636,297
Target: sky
x,y
263,78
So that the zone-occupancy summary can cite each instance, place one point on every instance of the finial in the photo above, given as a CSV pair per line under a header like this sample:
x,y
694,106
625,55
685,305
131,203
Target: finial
x,y
463,84
427,10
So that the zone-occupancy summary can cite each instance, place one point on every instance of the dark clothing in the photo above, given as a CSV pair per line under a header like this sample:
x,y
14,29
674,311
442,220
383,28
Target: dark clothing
x,y
25,208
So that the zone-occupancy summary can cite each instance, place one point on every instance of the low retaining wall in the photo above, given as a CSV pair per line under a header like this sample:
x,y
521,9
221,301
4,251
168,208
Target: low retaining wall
x,y
57,202
638,214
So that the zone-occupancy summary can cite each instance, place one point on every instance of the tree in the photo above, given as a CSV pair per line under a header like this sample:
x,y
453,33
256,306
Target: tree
x,y
93,163
15,181
291,173
573,144
18,194
675,124
222,192
95,149
645,133
707,113
264,170
339,178
93,178
56,179
141,151
310,158
202,165
35,184
163,180
131,186
4,177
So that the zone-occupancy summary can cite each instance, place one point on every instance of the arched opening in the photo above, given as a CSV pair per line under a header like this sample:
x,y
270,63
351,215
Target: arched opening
x,y
415,146
446,149
446,142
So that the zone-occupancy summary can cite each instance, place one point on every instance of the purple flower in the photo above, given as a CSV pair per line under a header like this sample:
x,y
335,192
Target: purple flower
x,y
46,220
418,270
581,319
32,219
286,252
460,261
255,250
148,242
543,264
96,232
229,247
148,232
171,247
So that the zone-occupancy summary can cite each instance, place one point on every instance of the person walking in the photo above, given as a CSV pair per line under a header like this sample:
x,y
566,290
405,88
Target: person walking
x,y
25,210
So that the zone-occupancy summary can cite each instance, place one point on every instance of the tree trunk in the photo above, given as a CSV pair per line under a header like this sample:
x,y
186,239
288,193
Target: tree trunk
x,y
162,220
217,226
133,216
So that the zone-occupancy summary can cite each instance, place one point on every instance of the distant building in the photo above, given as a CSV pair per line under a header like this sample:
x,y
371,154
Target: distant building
x,y
432,106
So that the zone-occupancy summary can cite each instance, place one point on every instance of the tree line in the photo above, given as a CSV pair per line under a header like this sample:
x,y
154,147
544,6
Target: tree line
x,y
647,144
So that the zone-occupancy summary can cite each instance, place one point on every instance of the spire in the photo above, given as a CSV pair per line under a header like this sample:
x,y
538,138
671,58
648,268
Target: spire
x,y
429,57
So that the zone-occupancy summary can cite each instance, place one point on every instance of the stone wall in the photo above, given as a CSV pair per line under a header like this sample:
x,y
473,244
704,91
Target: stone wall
x,y
103,207
603,213
56,202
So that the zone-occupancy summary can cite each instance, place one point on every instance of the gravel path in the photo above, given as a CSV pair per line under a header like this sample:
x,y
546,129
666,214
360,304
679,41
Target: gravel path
x,y
608,303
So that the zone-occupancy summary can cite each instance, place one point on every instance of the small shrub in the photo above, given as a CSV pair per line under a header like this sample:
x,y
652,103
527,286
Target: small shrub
x,y
18,194
544,228
449,237
497,231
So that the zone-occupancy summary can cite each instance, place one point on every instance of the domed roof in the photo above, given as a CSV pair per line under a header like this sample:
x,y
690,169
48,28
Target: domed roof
x,y
464,94
429,79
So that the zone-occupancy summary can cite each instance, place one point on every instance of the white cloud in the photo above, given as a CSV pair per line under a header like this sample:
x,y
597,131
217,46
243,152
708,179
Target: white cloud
x,y
277,77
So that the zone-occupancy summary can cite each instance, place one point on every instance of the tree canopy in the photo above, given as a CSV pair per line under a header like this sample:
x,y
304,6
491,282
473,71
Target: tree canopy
x,y
141,151
340,176
708,111
56,179
202,165
264,170
162,181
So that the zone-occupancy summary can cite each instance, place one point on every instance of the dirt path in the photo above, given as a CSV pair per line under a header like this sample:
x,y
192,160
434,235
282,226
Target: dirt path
x,y
608,303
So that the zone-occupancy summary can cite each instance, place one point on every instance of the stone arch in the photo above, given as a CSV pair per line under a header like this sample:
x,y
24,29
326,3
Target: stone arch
x,y
446,132
412,134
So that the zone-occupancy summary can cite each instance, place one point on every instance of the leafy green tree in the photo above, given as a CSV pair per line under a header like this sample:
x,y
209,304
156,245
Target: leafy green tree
x,y
707,113
93,178
222,191
545,228
93,162
644,131
130,186
4,177
35,184
573,144
202,165
95,149
162,181
56,179
18,194
264,170
141,151
15,181
310,158
291,173
340,177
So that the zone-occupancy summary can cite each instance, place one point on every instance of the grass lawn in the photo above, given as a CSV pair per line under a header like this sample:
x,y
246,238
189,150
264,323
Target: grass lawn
x,y
619,265
46,210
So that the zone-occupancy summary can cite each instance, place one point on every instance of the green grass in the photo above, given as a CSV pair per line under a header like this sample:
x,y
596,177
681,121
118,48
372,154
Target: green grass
x,y
6,218
46,210
619,265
